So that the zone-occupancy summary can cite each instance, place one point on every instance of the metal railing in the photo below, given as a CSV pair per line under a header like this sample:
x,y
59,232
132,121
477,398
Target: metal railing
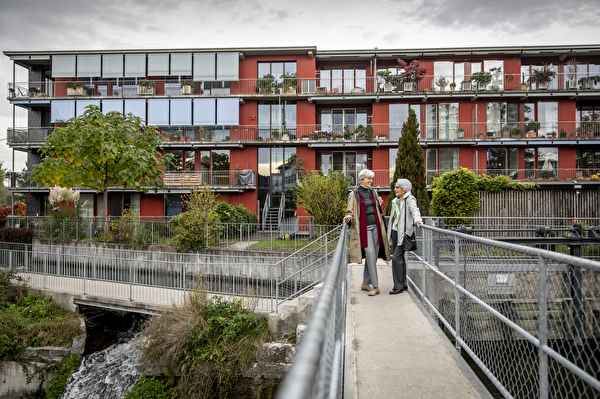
x,y
317,371
526,316
431,83
166,277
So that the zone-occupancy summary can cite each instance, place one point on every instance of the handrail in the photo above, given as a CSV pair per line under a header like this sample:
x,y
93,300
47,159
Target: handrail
x,y
315,373
265,211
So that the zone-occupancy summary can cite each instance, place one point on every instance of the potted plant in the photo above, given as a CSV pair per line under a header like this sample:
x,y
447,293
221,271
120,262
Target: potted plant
x,y
412,74
364,132
290,83
188,87
75,88
146,86
532,128
542,76
275,135
452,86
505,132
516,133
202,132
589,82
523,84
390,80
481,79
442,82
266,84
461,133
572,66
465,85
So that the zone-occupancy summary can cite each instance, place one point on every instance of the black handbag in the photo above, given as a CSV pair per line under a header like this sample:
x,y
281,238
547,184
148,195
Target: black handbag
x,y
410,241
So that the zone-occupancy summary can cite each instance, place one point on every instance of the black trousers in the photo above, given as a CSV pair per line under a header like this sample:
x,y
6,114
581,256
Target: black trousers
x,y
398,264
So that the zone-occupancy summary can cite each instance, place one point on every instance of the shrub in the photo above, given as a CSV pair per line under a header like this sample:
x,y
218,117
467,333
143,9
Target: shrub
x,y
128,229
209,342
195,228
454,194
234,215
150,388
20,235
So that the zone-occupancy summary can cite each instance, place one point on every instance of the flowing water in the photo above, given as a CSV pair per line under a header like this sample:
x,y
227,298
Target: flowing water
x,y
107,374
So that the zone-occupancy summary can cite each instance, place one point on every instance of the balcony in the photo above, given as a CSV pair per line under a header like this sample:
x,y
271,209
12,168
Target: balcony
x,y
499,86
383,134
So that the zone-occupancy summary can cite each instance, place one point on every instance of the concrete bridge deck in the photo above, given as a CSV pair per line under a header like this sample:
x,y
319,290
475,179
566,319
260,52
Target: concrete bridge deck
x,y
394,348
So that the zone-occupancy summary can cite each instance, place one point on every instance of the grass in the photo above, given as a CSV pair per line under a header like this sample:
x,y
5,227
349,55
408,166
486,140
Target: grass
x,y
209,342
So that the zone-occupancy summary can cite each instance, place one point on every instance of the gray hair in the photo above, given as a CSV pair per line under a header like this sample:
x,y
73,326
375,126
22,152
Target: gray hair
x,y
365,173
404,184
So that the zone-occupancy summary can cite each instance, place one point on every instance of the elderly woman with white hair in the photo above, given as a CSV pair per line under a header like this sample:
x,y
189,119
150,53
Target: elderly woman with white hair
x,y
404,215
367,230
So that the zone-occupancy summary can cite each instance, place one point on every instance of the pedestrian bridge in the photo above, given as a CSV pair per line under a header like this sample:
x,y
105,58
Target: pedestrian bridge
x,y
527,319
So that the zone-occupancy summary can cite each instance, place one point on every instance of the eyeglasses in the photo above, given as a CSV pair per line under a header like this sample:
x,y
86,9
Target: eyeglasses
x,y
369,178
396,186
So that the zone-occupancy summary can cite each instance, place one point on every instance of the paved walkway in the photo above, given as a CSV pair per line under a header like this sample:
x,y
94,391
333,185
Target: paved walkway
x,y
394,349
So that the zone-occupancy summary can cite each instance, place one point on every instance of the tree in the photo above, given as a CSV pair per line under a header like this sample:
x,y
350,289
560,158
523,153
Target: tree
x,y
410,164
98,151
323,196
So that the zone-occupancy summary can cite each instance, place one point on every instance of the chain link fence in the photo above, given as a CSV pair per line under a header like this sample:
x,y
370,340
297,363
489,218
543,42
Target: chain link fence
x,y
529,318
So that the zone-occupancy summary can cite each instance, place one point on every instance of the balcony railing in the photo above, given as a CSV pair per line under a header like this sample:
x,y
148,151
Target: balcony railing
x,y
230,179
177,136
131,87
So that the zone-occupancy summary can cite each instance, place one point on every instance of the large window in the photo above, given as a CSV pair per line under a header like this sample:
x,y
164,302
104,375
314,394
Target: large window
x,y
276,69
588,120
334,120
541,117
276,173
503,161
459,72
344,80
587,163
348,162
548,162
446,122
527,71
500,117
440,161
214,166
276,117
398,114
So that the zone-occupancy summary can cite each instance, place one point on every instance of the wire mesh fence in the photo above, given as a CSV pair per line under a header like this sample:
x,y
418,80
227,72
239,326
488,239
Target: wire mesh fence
x,y
529,318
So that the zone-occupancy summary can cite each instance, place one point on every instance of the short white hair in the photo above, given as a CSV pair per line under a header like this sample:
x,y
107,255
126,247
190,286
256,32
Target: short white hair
x,y
365,174
404,184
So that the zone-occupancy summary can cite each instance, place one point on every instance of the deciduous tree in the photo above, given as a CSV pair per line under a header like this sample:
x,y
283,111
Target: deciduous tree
x,y
98,151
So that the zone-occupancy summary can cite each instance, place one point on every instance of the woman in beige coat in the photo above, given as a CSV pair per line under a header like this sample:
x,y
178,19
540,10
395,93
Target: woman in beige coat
x,y
368,236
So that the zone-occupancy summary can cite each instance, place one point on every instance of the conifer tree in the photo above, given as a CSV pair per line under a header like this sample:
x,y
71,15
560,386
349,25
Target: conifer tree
x,y
410,164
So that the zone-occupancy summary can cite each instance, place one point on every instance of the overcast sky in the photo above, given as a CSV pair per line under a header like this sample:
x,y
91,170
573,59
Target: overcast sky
x,y
328,24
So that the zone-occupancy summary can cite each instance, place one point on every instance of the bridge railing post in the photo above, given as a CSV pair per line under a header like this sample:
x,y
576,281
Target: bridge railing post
x,y
543,325
457,307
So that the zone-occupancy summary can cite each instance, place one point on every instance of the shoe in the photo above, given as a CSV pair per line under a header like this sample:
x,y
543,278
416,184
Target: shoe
x,y
365,287
374,291
396,291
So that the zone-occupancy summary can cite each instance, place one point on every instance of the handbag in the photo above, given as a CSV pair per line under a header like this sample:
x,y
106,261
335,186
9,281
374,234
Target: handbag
x,y
410,241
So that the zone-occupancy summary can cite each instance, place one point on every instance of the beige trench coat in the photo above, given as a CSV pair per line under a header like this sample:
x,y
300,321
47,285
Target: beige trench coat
x,y
353,211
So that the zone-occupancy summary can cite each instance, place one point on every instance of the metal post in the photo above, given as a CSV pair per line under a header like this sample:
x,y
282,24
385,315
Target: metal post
x,y
543,326
576,297
456,293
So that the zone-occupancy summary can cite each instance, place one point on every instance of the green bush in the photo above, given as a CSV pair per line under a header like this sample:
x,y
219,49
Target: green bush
x,y
150,388
62,372
494,184
233,215
195,229
454,194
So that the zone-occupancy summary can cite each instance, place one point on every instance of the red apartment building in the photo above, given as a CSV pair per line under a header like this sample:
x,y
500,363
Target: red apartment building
x,y
239,119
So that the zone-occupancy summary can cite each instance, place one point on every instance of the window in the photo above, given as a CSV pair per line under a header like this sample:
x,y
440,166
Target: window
x,y
334,120
448,159
548,118
588,120
276,172
214,166
548,162
431,121
502,161
276,69
527,71
499,116
343,80
431,163
280,117
398,114
350,163
448,121
176,163
587,163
